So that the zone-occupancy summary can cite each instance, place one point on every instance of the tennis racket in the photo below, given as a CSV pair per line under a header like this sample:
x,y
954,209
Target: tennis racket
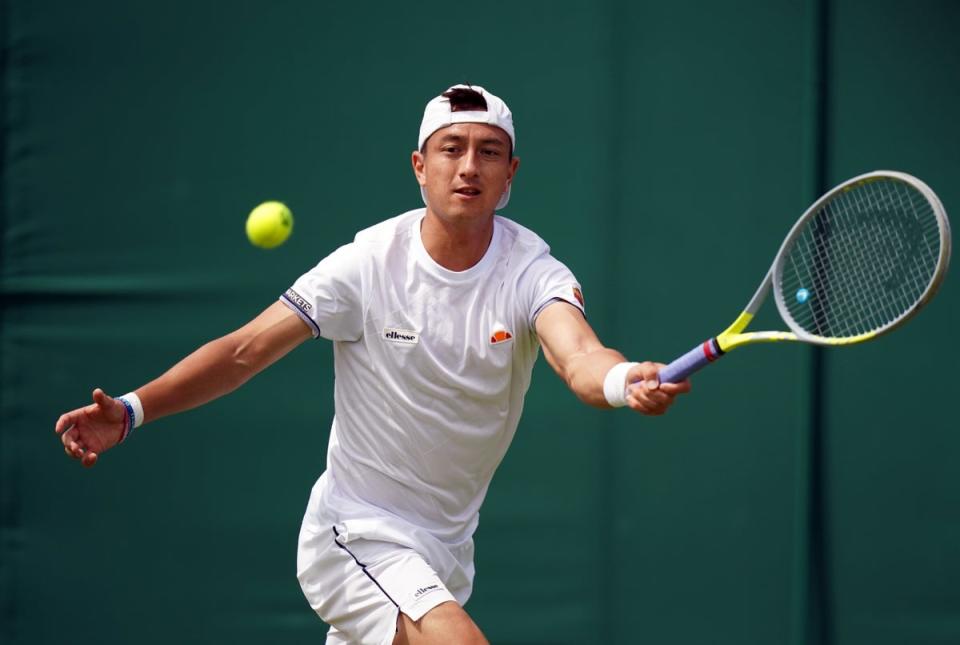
x,y
860,262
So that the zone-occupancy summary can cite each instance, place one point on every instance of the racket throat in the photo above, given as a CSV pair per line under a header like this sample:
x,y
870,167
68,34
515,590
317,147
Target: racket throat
x,y
738,325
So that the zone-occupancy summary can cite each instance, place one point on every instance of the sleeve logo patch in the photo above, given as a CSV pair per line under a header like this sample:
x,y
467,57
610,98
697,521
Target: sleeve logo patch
x,y
578,295
402,336
298,300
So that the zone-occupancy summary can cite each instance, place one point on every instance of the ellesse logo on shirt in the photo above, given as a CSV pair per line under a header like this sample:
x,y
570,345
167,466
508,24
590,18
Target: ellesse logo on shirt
x,y
499,335
403,336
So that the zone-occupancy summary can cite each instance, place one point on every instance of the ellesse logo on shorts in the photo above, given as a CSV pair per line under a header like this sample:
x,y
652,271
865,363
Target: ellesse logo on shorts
x,y
425,590
402,336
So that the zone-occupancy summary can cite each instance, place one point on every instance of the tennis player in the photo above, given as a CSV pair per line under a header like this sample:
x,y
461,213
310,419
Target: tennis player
x,y
437,316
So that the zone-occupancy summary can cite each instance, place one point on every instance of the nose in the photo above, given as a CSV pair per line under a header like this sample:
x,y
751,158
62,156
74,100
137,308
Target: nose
x,y
468,164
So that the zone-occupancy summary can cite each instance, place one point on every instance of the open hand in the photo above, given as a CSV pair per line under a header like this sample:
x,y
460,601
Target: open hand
x,y
88,431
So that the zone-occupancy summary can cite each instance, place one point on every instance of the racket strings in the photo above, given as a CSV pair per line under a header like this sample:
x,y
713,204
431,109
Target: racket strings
x,y
835,297
894,242
862,261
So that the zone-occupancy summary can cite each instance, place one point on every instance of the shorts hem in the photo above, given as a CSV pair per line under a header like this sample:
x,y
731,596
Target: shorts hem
x,y
418,609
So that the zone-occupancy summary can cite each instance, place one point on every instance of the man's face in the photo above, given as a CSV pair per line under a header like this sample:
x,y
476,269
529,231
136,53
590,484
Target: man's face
x,y
465,168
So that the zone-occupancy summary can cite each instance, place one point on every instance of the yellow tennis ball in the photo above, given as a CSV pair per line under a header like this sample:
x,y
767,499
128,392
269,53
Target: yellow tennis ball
x,y
269,225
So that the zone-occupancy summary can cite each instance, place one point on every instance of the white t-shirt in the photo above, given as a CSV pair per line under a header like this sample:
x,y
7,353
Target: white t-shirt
x,y
431,367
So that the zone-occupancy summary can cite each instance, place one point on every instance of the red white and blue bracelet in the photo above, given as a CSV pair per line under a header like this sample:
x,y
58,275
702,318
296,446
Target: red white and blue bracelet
x,y
134,413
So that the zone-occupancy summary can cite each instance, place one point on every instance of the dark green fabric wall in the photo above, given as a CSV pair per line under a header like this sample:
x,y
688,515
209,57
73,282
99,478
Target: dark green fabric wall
x,y
892,446
666,148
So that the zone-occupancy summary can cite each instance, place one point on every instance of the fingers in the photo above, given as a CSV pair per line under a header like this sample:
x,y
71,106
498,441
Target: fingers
x,y
105,403
646,400
87,430
73,447
100,402
645,371
66,422
68,436
100,398
671,388
112,409
77,450
646,394
675,388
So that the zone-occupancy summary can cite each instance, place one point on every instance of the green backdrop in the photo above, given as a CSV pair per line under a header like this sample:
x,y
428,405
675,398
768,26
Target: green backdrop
x,y
794,497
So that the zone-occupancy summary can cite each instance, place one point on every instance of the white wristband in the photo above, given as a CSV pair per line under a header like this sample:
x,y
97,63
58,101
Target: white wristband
x,y
615,384
137,407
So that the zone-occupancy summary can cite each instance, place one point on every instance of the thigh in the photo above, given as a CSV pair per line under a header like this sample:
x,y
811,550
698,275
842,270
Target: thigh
x,y
445,624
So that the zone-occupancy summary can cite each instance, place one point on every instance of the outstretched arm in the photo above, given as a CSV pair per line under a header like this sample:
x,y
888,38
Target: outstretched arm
x,y
215,369
577,355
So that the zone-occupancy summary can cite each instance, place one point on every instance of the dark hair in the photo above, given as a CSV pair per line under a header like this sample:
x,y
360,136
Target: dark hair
x,y
464,99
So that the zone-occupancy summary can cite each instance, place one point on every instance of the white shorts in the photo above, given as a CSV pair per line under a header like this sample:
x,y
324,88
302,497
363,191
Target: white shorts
x,y
360,588
359,585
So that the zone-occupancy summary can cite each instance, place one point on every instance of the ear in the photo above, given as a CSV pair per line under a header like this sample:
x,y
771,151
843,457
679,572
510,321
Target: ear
x,y
514,164
417,161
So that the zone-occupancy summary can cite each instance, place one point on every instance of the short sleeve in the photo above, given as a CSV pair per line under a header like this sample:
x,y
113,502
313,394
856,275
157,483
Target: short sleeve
x,y
547,280
328,297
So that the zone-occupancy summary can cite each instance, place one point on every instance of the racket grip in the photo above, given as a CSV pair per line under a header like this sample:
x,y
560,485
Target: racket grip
x,y
695,359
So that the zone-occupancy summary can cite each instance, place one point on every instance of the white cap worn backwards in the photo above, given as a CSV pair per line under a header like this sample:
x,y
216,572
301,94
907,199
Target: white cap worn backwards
x,y
439,115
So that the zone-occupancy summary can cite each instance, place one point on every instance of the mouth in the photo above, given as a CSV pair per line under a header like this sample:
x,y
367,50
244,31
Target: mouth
x,y
468,192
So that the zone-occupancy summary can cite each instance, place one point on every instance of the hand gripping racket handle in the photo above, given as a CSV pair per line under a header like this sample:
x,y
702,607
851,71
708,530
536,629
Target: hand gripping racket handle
x,y
696,358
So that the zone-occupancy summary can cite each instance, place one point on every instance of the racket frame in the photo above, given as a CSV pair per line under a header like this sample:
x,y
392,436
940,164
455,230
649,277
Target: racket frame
x,y
734,336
